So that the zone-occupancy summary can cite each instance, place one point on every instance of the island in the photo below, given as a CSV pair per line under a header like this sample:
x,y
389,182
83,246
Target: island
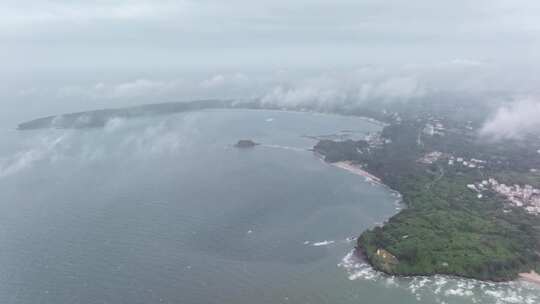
x,y
245,143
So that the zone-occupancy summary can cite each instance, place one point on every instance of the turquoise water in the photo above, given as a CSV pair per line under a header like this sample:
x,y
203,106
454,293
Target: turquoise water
x,y
165,210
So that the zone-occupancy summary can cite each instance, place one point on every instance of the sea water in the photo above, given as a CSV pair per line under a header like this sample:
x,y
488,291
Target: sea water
x,y
166,210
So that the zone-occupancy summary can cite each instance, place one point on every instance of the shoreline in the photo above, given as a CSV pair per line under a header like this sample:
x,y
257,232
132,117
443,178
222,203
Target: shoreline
x,y
358,170
530,277
47,122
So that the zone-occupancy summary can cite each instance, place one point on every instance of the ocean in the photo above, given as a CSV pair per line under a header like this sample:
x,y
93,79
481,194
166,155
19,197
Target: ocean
x,y
165,210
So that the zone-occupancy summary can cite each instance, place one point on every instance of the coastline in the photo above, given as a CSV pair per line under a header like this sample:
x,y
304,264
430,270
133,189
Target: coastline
x,y
99,117
530,277
374,180
349,166
356,169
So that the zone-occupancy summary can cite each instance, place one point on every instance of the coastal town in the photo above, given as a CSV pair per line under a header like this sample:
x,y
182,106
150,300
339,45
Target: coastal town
x,y
521,196
472,206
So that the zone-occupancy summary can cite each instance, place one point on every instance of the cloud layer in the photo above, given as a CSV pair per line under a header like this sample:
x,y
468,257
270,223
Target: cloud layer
x,y
324,89
62,56
278,33
514,121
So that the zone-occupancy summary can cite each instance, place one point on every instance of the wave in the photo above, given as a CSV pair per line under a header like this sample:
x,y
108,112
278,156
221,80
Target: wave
x,y
323,243
444,288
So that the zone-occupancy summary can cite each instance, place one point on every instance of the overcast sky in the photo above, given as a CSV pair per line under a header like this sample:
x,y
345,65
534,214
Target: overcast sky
x,y
118,50
234,33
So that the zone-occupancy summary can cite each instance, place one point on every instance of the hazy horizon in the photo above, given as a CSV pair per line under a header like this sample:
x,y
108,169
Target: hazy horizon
x,y
63,56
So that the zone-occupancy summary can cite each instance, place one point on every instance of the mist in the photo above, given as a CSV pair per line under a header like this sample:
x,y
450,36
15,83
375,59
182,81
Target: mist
x,y
67,56
514,121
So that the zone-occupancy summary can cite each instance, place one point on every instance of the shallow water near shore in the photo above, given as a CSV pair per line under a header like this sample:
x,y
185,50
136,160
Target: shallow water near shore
x,y
165,210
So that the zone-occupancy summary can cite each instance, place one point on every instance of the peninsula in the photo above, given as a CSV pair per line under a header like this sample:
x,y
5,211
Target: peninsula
x,y
456,221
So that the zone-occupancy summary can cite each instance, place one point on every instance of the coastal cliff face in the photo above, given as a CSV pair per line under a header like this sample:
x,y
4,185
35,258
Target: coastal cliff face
x,y
446,228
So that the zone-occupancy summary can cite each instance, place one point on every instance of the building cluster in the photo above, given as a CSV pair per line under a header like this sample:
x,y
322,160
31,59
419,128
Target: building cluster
x,y
469,163
375,140
469,126
393,116
526,197
434,128
430,157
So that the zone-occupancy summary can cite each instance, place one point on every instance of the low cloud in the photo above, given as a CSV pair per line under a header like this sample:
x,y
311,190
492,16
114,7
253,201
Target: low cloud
x,y
346,89
25,15
156,140
122,141
324,89
214,86
303,96
222,80
115,124
400,88
129,89
514,121
465,62
45,148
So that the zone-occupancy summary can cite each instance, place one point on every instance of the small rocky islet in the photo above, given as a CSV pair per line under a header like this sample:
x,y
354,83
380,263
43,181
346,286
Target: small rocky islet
x,y
245,143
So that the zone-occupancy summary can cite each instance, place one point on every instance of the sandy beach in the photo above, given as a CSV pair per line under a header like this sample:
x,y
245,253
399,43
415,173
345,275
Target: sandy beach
x,y
356,169
532,277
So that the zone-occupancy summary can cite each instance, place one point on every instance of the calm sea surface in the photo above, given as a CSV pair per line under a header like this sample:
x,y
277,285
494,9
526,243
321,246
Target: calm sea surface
x,y
165,210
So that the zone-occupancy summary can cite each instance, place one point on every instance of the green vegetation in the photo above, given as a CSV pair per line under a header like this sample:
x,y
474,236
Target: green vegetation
x,y
446,228
346,150
99,118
